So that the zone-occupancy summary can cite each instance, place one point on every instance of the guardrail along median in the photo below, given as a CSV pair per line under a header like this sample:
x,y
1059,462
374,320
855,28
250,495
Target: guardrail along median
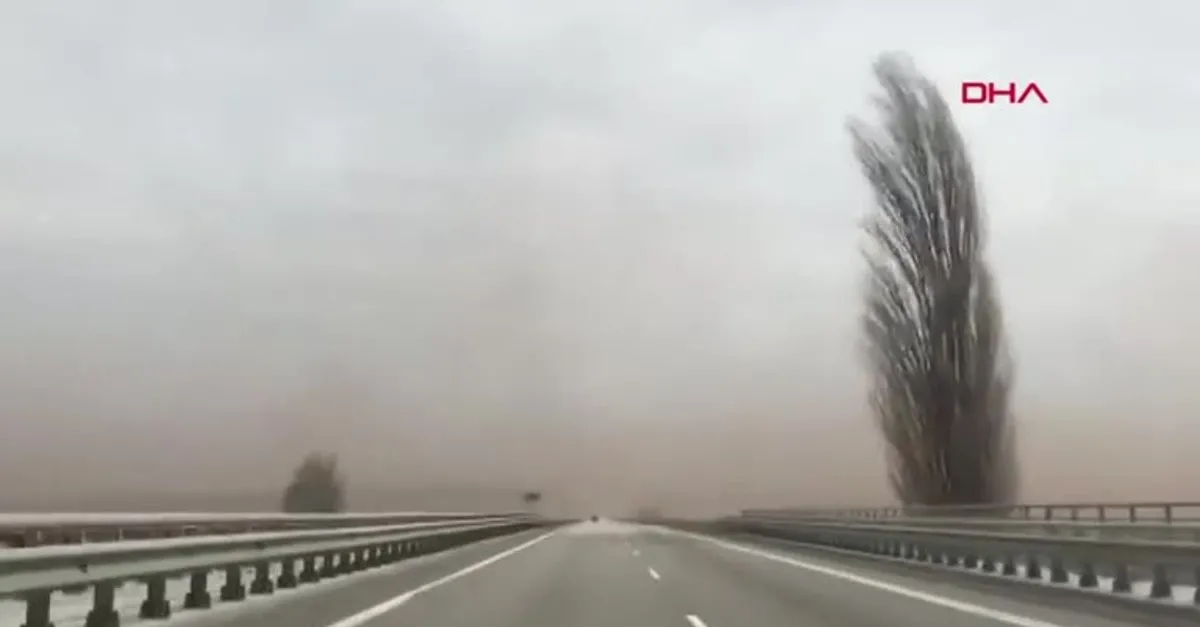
x,y
1067,528
25,530
1165,512
35,574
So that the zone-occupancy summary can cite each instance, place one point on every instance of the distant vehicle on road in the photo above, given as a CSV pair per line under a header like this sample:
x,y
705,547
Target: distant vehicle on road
x,y
595,518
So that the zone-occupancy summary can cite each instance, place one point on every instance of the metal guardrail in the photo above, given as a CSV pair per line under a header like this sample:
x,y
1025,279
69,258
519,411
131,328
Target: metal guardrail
x,y
1073,562
27,530
35,574
1166,512
1065,528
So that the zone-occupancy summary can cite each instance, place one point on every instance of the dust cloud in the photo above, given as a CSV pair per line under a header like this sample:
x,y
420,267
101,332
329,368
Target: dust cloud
x,y
608,255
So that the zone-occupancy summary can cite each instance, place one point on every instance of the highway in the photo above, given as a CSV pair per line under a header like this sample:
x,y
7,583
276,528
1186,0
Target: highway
x,y
608,573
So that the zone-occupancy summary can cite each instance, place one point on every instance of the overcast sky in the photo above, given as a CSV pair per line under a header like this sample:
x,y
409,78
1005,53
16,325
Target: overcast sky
x,y
459,214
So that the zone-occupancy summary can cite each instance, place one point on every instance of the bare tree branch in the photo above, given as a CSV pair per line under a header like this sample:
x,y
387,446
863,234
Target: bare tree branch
x,y
932,327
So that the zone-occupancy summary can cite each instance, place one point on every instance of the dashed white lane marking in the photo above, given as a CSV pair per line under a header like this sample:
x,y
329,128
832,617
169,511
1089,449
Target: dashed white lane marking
x,y
375,611
695,621
636,553
1016,620
654,573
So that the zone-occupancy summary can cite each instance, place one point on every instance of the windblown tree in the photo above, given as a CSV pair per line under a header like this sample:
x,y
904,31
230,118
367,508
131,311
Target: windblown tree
x,y
932,323
316,486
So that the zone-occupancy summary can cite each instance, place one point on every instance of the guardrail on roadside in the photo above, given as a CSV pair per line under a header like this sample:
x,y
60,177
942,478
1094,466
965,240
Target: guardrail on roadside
x,y
1070,562
28,530
35,574
1066,528
1166,512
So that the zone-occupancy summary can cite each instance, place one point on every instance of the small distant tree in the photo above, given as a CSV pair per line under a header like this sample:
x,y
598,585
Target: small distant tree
x,y
316,486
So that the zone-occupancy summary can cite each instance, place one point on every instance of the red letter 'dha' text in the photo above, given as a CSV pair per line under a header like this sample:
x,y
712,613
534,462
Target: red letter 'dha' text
x,y
986,93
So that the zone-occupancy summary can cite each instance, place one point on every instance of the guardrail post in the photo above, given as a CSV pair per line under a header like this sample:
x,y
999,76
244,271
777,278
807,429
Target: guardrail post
x,y
345,562
1087,575
1058,571
391,553
37,609
309,573
233,590
156,604
287,574
197,596
1121,582
103,614
327,568
1160,587
1033,569
374,556
262,583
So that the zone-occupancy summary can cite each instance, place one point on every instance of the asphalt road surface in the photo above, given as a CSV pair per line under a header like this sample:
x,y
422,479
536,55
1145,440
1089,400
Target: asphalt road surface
x,y
606,573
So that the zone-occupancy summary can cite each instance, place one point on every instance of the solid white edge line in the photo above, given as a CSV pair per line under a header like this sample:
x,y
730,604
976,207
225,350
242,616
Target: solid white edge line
x,y
969,608
695,621
354,620
654,573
